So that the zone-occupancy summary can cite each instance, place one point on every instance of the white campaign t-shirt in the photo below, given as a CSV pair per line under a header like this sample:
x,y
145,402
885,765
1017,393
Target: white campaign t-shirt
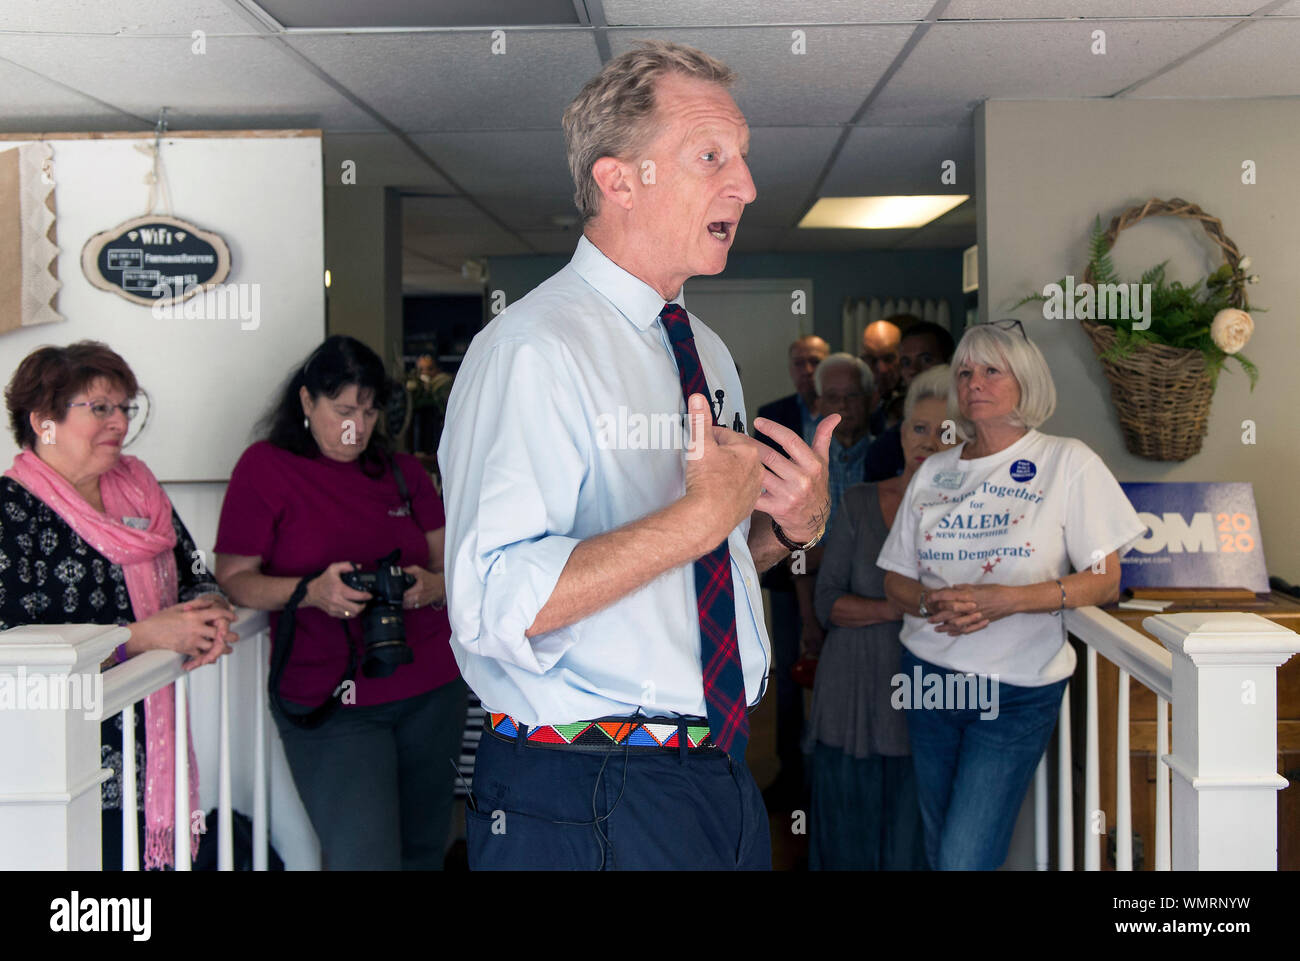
x,y
1027,514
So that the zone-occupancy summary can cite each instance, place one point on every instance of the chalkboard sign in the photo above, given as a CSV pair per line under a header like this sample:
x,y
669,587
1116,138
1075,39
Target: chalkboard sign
x,y
1198,535
155,260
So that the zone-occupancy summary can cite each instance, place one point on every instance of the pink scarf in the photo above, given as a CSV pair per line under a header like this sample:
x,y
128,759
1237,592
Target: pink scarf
x,y
129,490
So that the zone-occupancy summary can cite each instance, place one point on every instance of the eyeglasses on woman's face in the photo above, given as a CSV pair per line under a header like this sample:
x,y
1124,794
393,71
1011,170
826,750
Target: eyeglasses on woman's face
x,y
102,409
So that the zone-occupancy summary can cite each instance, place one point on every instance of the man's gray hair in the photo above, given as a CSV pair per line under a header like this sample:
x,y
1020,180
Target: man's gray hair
x,y
846,360
612,115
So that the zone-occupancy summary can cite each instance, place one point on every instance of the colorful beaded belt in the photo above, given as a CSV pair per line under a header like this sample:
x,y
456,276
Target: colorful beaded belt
x,y
651,734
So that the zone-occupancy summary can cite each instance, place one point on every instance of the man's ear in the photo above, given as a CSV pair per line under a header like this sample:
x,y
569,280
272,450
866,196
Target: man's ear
x,y
614,178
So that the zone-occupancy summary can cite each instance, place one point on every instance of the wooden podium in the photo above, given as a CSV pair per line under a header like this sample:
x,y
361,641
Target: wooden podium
x,y
1278,607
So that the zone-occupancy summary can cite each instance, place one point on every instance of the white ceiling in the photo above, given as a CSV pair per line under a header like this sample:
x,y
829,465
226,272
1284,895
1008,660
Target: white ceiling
x,y
411,91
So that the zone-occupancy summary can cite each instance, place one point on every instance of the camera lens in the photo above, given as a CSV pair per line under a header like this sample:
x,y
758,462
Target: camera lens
x,y
386,647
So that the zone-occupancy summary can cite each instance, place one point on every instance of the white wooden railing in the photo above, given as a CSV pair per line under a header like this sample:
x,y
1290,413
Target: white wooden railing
x,y
51,774
1219,671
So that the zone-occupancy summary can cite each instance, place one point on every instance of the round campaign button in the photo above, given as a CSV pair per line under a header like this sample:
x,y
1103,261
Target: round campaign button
x,y
1023,470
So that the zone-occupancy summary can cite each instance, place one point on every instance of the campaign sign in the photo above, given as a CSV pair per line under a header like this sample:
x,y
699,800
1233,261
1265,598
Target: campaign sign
x,y
1198,535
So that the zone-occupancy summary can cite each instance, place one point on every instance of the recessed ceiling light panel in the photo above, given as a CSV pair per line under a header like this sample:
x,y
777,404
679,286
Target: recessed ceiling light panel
x,y
880,213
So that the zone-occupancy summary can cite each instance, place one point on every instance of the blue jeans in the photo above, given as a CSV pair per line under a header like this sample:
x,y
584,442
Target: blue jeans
x,y
864,814
972,774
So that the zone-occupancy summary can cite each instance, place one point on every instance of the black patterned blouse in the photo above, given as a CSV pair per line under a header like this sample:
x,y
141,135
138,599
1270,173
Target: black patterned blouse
x,y
49,575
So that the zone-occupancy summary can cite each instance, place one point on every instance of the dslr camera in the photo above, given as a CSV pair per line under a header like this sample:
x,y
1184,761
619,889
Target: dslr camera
x,y
385,633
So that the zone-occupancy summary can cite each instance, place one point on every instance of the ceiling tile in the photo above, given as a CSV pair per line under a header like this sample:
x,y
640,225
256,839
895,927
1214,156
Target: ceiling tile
x,y
902,160
1096,9
34,104
126,17
237,82
404,13
785,162
380,159
958,65
452,229
777,87
671,13
1259,60
521,161
427,82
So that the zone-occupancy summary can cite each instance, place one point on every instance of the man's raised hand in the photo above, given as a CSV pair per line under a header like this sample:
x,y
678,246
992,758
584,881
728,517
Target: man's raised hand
x,y
795,487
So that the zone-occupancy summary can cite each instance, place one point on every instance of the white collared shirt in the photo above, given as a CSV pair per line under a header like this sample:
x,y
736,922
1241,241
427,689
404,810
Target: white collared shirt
x,y
559,428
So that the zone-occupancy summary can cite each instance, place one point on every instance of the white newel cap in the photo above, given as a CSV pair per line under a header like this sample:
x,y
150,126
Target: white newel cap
x,y
68,647
1224,637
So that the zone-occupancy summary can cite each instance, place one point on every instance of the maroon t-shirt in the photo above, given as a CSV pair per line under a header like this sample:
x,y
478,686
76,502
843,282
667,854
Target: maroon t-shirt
x,y
301,514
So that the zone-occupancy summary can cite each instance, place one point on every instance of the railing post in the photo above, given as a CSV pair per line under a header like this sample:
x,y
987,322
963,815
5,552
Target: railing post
x,y
50,769
1225,737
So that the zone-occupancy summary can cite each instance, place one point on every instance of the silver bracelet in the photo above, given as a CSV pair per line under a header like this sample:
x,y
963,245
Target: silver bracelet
x,y
1062,587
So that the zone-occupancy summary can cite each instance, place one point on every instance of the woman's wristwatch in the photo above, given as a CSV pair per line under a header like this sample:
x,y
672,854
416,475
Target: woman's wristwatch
x,y
925,611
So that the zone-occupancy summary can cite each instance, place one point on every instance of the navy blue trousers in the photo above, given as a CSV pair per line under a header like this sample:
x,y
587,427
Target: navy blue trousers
x,y
534,809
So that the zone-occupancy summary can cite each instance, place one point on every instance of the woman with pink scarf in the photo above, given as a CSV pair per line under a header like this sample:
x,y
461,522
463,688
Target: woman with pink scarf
x,y
88,536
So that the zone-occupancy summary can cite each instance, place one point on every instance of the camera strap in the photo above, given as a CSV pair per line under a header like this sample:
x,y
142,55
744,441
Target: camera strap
x,y
402,488
282,648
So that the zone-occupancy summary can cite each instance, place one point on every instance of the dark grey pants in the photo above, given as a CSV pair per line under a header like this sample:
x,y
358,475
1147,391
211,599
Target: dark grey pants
x,y
377,781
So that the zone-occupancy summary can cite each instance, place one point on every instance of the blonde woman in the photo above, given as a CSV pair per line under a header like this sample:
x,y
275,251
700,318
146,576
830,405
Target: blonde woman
x,y
994,539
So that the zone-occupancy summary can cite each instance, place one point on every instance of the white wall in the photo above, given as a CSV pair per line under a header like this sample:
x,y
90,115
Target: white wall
x,y
209,379
1046,169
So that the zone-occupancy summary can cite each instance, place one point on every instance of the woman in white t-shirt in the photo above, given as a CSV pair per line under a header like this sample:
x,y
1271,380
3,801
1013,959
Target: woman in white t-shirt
x,y
979,560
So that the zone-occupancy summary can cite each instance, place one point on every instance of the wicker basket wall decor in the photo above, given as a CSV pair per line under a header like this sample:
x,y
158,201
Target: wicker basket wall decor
x,y
1162,394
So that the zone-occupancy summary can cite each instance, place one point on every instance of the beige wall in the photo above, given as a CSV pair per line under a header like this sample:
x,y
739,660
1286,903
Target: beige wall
x,y
1046,169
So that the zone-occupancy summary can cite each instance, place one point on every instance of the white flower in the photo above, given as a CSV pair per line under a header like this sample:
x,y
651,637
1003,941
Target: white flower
x,y
1244,264
1253,279
1230,329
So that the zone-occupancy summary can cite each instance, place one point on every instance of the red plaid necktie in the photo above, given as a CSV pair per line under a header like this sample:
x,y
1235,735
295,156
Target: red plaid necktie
x,y
715,596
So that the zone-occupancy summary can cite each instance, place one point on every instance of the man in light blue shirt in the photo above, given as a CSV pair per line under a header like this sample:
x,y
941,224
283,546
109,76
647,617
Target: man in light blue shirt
x,y
578,518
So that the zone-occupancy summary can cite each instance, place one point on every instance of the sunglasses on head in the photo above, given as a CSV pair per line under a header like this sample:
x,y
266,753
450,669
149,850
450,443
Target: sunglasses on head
x,y
1009,324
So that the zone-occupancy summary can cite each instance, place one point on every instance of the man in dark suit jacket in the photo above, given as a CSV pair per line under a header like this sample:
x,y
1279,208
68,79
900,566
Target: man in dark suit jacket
x,y
796,413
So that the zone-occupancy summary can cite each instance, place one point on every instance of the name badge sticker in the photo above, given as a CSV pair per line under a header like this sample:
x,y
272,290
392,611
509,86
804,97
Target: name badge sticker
x,y
139,523
950,479
1023,470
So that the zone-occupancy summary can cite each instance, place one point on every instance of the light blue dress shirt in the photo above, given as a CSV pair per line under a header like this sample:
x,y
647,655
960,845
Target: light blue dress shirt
x,y
545,444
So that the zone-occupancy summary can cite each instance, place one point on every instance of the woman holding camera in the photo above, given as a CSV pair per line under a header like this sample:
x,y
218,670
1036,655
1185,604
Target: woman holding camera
x,y
372,750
